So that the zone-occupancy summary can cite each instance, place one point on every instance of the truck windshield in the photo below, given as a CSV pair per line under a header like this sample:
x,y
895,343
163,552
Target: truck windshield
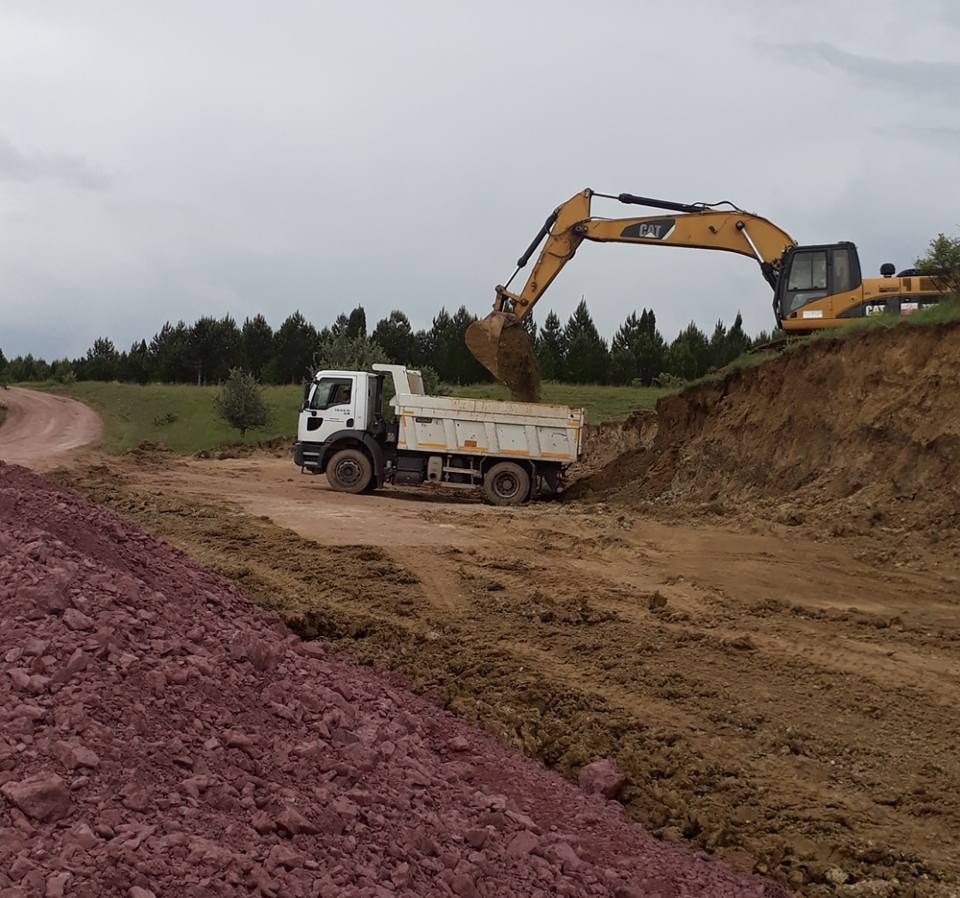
x,y
331,391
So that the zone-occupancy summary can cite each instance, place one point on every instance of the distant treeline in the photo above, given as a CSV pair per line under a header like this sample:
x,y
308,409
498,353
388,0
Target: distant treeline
x,y
204,352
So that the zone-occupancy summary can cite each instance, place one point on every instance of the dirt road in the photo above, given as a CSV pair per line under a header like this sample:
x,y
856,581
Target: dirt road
x,y
40,430
784,702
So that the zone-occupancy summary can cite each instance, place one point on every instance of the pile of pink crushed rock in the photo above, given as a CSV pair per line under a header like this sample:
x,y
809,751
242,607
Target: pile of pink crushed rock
x,y
161,736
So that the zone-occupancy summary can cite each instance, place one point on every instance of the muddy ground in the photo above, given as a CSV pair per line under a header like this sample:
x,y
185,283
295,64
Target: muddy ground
x,y
784,699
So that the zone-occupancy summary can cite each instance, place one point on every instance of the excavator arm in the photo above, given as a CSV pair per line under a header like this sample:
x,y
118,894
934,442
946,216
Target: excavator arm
x,y
501,347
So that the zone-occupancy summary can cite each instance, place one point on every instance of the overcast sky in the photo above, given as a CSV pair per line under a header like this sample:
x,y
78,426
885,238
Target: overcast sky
x,y
166,160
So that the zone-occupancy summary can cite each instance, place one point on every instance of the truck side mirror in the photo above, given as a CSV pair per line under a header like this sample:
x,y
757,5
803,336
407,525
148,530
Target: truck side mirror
x,y
306,395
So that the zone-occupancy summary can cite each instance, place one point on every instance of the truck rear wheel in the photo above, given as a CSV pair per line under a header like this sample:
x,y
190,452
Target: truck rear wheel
x,y
349,471
506,483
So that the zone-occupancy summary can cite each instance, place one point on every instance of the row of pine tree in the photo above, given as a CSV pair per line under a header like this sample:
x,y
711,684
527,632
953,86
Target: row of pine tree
x,y
204,352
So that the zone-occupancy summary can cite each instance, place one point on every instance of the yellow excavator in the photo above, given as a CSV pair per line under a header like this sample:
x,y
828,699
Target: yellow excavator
x,y
814,287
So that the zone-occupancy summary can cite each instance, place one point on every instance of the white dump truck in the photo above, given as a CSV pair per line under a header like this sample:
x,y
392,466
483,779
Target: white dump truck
x,y
513,450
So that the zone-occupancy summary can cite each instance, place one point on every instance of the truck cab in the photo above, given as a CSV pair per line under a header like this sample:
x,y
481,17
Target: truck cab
x,y
345,409
339,400
512,450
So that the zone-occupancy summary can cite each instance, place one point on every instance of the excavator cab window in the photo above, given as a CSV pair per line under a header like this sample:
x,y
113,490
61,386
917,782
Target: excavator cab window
x,y
815,272
841,271
806,280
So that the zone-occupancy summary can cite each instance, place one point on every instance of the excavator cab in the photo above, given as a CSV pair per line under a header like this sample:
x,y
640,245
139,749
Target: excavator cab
x,y
823,287
809,274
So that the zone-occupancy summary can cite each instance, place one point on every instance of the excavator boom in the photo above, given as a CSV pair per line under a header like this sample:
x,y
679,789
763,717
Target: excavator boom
x,y
501,345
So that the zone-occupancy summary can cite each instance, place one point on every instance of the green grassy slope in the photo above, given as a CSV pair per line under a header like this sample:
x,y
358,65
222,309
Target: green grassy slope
x,y
182,418
177,415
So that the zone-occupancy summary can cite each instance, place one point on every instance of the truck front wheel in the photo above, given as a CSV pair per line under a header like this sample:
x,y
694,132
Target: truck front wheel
x,y
349,471
506,483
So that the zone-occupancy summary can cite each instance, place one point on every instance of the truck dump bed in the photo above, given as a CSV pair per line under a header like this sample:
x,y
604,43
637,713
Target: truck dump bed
x,y
449,424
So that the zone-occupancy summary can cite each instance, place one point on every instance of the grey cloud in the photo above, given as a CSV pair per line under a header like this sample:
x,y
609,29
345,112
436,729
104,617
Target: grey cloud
x,y
950,13
941,136
16,165
916,77
322,155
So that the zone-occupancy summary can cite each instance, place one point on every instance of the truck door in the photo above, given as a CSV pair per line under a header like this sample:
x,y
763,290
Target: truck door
x,y
332,407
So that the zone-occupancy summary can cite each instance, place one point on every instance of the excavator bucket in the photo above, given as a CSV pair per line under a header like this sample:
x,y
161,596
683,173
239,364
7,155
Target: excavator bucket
x,y
502,346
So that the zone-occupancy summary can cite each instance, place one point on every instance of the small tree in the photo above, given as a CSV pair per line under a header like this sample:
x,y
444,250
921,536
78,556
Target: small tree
x,y
240,402
341,351
942,262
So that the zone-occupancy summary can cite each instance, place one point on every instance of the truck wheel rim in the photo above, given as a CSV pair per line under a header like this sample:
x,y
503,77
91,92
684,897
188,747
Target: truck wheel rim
x,y
348,472
506,485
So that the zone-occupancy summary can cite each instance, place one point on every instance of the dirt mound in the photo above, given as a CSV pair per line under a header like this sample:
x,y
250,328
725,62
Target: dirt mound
x,y
276,447
149,453
161,736
605,443
867,427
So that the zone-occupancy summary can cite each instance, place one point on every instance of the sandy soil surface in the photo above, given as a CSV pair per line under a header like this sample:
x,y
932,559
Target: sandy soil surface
x,y
785,702
41,430
162,736
754,608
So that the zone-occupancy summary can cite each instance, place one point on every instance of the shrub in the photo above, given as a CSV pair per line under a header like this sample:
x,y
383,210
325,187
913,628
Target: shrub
x,y
240,403
665,379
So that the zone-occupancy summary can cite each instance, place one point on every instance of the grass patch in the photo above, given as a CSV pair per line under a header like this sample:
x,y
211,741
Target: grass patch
x,y
181,416
944,312
178,415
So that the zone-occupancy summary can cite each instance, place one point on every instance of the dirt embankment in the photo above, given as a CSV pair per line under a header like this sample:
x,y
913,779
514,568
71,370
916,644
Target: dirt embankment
x,y
856,433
